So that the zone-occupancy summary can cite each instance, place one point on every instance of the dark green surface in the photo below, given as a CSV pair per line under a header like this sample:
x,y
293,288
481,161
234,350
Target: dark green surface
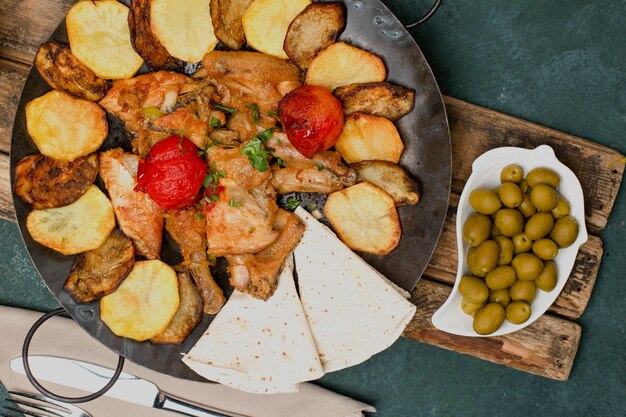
x,y
558,63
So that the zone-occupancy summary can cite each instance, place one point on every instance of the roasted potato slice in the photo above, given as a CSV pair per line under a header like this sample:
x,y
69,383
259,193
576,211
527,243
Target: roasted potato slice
x,y
99,272
63,71
391,178
367,138
314,29
226,16
83,225
100,38
65,128
365,218
187,317
342,64
265,24
46,183
144,41
144,304
379,99
184,28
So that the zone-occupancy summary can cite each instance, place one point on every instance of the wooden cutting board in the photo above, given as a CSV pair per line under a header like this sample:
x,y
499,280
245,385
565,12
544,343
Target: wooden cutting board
x,y
547,347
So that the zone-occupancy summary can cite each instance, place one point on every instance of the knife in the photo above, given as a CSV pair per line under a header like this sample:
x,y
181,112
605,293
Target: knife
x,y
88,377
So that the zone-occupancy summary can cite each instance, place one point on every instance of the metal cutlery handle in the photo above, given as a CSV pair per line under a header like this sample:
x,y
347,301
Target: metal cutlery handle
x,y
165,402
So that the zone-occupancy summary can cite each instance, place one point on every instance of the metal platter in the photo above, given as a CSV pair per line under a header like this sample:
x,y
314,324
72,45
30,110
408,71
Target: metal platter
x,y
427,155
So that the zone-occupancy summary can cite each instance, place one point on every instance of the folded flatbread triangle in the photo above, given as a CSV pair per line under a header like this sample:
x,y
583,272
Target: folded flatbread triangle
x,y
352,310
259,346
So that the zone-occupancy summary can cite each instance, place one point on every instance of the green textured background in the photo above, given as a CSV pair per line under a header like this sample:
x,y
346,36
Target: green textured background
x,y
558,63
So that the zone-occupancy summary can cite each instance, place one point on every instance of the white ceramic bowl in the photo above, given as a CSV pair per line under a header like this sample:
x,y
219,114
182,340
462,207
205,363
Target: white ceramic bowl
x,y
486,174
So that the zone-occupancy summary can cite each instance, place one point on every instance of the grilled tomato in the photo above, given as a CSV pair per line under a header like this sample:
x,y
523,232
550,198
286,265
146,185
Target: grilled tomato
x,y
172,173
312,118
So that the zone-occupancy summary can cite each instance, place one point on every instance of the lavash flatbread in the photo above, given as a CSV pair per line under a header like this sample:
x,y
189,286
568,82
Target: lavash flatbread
x,y
259,346
352,311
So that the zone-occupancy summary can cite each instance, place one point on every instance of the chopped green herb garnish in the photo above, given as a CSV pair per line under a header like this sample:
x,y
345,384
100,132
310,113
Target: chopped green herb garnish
x,y
319,167
223,108
207,180
234,203
212,259
220,173
215,198
152,112
266,135
280,162
255,112
278,141
293,203
215,122
272,113
198,216
256,153
252,230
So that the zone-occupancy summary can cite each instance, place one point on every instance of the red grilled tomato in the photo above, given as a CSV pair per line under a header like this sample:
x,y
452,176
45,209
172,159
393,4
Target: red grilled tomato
x,y
172,173
312,118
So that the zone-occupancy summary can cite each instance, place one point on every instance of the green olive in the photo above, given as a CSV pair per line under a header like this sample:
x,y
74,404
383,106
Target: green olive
x,y
561,209
494,230
470,308
539,225
565,231
484,201
476,229
523,291
543,176
546,281
544,197
510,194
545,249
473,289
488,319
512,173
524,186
506,249
500,278
502,297
522,243
518,312
527,266
486,256
509,221
526,207
472,265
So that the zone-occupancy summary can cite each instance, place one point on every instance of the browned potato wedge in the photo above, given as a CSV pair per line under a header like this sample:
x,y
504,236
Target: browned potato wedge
x,y
379,99
368,138
144,41
314,29
391,178
184,28
65,128
100,38
226,16
365,218
46,183
83,225
342,64
187,317
265,24
99,272
144,304
62,71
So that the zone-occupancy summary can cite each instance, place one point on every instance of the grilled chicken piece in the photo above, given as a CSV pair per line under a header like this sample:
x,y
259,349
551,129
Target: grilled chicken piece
x,y
139,217
236,166
63,71
45,183
245,79
226,16
304,176
329,160
257,274
187,228
241,221
160,104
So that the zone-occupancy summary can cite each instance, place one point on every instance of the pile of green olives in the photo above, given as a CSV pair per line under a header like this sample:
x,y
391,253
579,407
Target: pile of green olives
x,y
515,233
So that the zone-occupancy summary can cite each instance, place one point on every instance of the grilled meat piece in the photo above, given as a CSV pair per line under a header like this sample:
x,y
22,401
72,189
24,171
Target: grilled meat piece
x,y
257,274
99,272
236,166
304,176
241,221
45,183
139,217
226,16
63,71
186,226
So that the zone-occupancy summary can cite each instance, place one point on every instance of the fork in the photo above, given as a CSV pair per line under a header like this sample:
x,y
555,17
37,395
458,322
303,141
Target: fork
x,y
38,402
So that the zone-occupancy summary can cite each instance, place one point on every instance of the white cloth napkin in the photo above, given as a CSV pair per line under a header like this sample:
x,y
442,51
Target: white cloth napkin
x,y
64,338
